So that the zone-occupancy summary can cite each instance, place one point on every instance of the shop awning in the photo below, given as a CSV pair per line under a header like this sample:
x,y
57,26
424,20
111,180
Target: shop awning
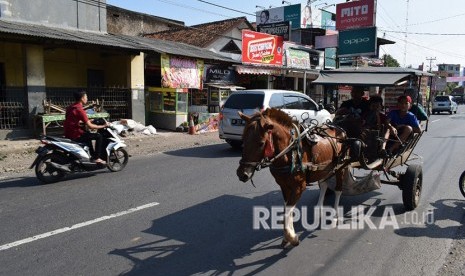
x,y
383,76
360,79
225,86
254,70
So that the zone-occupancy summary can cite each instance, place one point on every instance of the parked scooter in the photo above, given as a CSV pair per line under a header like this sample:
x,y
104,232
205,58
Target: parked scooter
x,y
60,156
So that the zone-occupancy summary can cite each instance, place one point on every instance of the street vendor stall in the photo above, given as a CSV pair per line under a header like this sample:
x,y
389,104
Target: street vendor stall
x,y
217,95
167,107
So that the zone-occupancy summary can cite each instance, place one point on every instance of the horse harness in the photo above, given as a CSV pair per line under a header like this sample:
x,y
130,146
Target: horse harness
x,y
299,134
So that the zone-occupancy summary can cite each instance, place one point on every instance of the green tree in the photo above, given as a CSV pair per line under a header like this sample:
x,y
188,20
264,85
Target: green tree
x,y
450,87
389,61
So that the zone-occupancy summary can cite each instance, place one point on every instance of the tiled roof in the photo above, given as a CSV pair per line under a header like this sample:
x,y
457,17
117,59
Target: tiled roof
x,y
25,31
200,35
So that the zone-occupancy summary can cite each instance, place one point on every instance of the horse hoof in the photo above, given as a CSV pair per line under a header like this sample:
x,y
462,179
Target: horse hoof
x,y
284,243
296,241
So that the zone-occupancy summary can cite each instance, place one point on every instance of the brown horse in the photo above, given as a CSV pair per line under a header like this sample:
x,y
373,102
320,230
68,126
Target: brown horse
x,y
267,136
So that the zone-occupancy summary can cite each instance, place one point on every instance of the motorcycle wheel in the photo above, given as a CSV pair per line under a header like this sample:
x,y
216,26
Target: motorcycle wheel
x,y
117,160
462,183
46,173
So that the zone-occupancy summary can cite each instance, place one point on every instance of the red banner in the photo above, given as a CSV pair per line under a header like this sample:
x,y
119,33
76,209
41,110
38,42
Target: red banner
x,y
355,14
261,48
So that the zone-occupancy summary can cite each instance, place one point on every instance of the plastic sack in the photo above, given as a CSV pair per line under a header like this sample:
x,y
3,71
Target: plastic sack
x,y
356,185
152,129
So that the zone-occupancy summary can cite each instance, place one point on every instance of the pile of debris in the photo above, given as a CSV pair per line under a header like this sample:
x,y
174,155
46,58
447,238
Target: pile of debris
x,y
125,127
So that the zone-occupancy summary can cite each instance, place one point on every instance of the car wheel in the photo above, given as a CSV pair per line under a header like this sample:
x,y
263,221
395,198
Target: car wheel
x,y
450,112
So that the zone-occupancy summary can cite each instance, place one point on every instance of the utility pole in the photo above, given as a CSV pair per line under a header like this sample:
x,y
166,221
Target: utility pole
x,y
430,61
405,37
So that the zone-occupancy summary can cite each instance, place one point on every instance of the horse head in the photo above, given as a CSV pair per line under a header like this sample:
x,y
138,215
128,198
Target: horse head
x,y
258,144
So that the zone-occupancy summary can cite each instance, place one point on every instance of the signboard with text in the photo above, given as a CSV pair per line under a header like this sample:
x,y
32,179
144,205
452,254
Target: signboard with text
x,y
261,48
179,72
355,14
357,42
287,13
281,29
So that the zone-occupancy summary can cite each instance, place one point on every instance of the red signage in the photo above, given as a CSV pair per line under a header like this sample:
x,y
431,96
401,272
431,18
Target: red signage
x,y
262,48
355,14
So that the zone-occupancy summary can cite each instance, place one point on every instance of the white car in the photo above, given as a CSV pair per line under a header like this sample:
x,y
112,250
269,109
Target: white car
x,y
444,103
297,105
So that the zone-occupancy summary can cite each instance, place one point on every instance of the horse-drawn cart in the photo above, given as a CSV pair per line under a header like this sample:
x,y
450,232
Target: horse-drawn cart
x,y
388,82
306,153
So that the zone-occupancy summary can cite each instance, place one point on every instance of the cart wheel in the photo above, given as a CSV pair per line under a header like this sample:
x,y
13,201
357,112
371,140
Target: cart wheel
x,y
411,183
462,183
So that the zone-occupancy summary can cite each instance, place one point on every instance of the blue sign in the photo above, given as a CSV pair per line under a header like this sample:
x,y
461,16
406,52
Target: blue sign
x,y
357,42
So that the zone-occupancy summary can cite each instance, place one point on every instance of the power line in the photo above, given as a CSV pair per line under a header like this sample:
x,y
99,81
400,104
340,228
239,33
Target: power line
x,y
437,34
223,7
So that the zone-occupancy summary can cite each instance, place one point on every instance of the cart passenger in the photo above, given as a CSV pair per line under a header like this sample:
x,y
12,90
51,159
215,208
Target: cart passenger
x,y
375,119
404,121
416,108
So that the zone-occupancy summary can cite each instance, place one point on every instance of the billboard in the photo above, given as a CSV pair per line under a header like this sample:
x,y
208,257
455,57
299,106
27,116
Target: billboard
x,y
177,72
356,14
261,48
328,20
287,13
357,42
281,29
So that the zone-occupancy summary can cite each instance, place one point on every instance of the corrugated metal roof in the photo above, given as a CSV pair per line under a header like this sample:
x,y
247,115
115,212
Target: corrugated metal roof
x,y
109,40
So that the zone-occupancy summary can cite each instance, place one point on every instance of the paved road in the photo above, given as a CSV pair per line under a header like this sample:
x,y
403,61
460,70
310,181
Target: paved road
x,y
184,212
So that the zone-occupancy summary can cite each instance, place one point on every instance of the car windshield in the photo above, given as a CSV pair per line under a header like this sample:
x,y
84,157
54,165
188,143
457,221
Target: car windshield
x,y
245,101
442,99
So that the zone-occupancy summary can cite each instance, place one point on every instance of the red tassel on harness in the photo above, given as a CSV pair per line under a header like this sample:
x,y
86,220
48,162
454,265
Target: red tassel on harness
x,y
269,148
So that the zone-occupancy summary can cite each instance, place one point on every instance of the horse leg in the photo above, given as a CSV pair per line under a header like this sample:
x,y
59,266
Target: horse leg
x,y
338,190
323,188
289,233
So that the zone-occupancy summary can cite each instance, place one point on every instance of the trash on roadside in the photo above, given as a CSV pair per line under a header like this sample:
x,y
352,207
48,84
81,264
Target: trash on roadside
x,y
128,126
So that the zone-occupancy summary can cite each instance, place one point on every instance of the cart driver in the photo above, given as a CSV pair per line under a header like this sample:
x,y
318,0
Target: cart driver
x,y
349,114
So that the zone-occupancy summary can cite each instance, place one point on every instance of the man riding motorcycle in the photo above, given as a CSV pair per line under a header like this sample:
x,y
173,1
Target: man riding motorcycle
x,y
75,114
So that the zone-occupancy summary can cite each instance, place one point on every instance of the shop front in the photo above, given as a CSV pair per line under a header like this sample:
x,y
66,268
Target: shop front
x,y
167,106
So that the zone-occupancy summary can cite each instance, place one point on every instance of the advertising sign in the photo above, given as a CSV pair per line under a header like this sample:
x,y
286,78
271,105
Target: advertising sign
x,y
355,14
287,13
328,20
261,48
330,58
181,72
357,42
311,18
281,29
219,74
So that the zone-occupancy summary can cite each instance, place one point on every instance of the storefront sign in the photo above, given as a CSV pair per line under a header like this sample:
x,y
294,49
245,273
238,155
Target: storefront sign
x,y
280,29
287,13
181,72
355,14
219,74
261,48
357,42
297,59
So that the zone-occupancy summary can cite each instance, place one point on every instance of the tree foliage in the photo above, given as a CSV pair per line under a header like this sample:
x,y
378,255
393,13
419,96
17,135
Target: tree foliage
x,y
389,61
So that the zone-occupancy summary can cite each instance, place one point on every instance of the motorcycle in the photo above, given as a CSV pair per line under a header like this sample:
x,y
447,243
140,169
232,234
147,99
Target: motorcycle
x,y
60,156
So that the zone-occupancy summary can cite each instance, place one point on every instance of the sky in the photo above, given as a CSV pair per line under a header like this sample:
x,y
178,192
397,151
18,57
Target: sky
x,y
425,31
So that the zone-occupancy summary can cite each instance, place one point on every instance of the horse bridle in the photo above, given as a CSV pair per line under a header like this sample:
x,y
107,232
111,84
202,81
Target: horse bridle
x,y
266,162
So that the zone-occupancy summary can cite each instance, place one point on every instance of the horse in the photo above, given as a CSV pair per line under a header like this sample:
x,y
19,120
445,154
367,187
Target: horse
x,y
270,136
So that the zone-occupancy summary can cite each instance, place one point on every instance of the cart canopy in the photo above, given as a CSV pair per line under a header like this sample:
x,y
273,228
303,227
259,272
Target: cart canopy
x,y
368,76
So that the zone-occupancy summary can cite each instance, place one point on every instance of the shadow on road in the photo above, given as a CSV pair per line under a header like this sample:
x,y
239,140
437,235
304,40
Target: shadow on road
x,y
210,151
445,210
217,237
214,237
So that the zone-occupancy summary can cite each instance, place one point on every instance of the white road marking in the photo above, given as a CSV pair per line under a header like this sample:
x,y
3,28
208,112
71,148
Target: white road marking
x,y
435,120
76,226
